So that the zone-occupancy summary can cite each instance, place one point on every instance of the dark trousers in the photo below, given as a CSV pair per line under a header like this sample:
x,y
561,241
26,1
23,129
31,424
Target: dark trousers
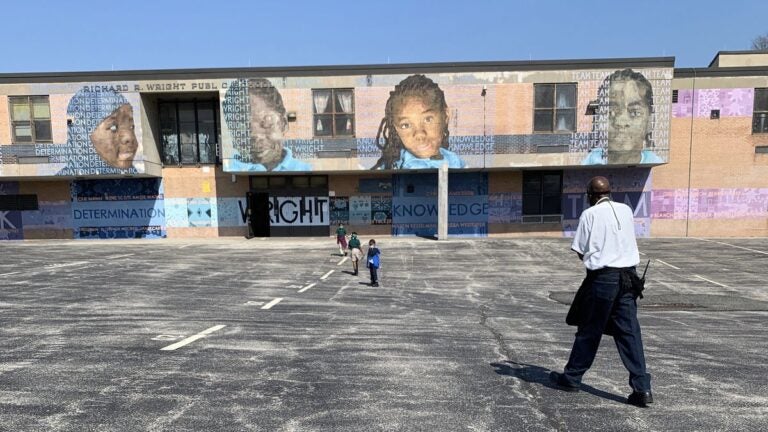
x,y
374,276
603,310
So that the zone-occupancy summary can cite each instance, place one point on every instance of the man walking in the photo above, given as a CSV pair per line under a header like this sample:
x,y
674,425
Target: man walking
x,y
605,242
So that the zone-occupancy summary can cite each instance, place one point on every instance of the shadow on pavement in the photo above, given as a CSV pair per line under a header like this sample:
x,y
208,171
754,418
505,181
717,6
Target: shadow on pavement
x,y
539,375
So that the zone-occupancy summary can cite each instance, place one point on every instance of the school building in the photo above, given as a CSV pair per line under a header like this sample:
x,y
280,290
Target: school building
x,y
295,151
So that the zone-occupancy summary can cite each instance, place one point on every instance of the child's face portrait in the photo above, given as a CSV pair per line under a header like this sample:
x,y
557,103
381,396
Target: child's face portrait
x,y
420,127
267,128
629,116
114,139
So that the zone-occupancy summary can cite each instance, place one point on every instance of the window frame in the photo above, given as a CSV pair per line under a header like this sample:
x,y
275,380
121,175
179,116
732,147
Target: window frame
x,y
540,194
215,145
32,122
334,114
763,111
554,109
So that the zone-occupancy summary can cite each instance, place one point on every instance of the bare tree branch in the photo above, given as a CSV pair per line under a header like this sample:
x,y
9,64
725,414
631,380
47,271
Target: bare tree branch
x,y
760,43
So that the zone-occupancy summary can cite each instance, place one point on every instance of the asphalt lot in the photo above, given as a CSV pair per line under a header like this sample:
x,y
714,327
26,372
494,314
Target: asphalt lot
x,y
461,335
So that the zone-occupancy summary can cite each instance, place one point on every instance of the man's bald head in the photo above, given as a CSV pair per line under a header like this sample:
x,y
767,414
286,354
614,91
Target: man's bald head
x,y
598,187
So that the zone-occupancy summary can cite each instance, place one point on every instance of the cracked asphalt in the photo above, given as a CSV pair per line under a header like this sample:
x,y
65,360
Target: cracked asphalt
x,y
275,335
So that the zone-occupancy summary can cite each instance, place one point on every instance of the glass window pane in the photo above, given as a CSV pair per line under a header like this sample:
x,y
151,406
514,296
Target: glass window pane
x,y
531,204
550,205
344,101
321,101
566,120
277,181
318,181
23,133
345,125
323,125
300,181
170,144
542,121
43,131
551,184
207,140
187,111
168,115
532,184
545,95
188,153
761,99
205,111
566,95
40,108
760,123
259,182
20,111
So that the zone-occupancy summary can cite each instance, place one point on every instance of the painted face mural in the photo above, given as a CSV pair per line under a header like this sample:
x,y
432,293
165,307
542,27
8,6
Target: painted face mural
x,y
415,128
420,127
267,129
114,138
629,115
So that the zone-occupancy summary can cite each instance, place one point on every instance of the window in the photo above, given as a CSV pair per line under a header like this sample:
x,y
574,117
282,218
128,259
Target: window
x,y
334,112
760,113
189,132
30,119
554,108
542,192
18,202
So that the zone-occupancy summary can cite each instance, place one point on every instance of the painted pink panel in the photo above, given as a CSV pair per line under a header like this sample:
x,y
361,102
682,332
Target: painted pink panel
x,y
710,203
731,102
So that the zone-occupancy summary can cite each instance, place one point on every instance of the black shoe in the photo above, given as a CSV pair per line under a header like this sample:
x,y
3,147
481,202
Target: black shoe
x,y
375,284
558,380
354,273
640,399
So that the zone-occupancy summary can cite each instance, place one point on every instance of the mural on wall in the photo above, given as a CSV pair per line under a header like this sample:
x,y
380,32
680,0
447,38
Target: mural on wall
x,y
414,129
11,227
631,186
709,203
414,204
732,102
625,102
120,208
339,210
102,137
257,121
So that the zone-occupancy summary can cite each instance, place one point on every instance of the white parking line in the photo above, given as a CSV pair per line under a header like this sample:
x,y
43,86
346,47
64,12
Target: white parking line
x,y
186,245
641,253
8,274
192,338
711,281
342,261
667,264
120,256
272,303
66,265
307,287
325,276
728,244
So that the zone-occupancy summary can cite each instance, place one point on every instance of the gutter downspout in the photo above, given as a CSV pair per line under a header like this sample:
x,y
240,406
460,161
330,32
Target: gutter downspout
x,y
690,152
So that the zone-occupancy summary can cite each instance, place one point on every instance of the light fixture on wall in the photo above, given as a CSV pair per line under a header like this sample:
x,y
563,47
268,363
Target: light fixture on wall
x,y
592,108
234,178
291,116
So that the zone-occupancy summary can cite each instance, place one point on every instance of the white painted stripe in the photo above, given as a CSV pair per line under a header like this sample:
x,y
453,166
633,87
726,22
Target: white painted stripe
x,y
711,281
325,276
8,274
192,338
728,244
641,253
67,264
342,261
307,287
120,256
186,245
667,264
272,303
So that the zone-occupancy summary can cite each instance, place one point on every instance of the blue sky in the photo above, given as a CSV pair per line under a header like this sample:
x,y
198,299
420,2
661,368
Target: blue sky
x,y
52,36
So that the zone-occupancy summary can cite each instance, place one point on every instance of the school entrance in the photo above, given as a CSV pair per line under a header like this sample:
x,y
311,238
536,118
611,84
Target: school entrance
x,y
289,206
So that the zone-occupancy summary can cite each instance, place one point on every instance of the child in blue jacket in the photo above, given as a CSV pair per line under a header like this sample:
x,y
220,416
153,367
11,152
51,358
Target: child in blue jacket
x,y
373,261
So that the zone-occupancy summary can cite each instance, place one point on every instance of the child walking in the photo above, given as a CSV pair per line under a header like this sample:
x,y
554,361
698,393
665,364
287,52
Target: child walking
x,y
355,252
341,239
373,262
